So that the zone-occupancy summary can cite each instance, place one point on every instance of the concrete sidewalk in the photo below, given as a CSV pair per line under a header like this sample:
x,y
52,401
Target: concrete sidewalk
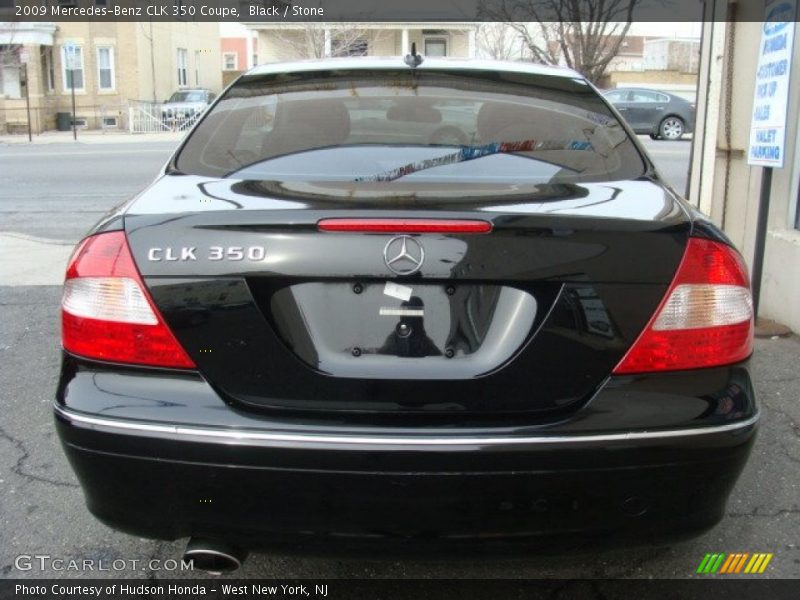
x,y
32,260
92,136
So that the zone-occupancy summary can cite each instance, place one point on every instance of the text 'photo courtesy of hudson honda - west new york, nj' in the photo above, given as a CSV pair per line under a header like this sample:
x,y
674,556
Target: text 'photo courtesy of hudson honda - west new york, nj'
x,y
355,299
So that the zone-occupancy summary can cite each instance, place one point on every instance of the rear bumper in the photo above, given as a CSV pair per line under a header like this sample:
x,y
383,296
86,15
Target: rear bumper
x,y
295,486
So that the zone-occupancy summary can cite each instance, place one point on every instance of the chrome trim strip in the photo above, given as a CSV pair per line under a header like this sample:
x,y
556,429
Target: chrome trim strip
x,y
387,311
239,436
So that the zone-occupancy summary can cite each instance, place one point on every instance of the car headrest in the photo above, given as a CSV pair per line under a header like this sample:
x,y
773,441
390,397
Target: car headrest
x,y
330,120
494,117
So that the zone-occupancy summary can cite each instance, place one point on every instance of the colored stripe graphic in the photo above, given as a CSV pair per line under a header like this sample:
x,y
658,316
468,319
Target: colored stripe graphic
x,y
753,563
728,563
735,559
758,563
764,564
718,564
711,563
741,562
734,563
703,563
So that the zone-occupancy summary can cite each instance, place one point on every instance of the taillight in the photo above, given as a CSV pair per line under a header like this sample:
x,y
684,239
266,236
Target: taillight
x,y
705,319
106,312
405,225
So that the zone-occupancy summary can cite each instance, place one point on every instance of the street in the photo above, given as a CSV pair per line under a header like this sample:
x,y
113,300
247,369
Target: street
x,y
51,194
671,159
41,195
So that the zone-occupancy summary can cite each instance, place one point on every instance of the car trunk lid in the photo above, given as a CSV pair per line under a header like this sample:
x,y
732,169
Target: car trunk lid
x,y
530,317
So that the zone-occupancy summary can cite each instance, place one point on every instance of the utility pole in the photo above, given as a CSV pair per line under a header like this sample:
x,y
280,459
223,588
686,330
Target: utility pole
x,y
24,58
74,124
153,64
70,50
28,102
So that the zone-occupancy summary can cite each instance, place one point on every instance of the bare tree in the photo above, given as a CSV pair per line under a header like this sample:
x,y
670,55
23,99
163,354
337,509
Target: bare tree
x,y
585,35
9,52
307,40
499,41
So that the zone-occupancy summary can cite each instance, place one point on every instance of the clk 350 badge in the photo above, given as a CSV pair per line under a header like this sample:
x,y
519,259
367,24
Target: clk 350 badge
x,y
184,253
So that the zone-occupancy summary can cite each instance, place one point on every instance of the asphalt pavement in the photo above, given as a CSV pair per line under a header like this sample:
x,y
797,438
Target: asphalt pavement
x,y
58,191
50,194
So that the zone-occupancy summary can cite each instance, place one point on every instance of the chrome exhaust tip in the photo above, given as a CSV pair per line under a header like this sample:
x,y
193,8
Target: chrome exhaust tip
x,y
213,556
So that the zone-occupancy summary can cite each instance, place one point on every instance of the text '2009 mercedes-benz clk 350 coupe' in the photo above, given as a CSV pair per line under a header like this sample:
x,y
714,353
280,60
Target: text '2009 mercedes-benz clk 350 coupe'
x,y
381,303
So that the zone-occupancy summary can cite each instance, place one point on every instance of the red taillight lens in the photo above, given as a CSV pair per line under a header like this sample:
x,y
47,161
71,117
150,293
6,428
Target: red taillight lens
x,y
405,225
705,319
106,312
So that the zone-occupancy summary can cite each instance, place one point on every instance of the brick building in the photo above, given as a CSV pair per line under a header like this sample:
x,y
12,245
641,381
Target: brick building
x,y
116,64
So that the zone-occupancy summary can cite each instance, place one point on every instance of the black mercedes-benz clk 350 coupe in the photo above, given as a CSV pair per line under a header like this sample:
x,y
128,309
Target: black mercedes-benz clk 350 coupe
x,y
450,305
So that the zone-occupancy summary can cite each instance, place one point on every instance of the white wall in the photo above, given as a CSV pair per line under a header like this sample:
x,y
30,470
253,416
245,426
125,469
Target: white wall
x,y
728,189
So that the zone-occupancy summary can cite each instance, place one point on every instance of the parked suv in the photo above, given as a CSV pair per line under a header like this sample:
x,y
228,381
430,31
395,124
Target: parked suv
x,y
184,106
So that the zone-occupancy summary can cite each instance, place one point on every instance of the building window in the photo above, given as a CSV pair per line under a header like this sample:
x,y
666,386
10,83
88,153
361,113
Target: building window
x,y
105,68
10,82
229,61
183,67
651,97
618,96
435,47
255,59
48,73
75,74
197,54
110,122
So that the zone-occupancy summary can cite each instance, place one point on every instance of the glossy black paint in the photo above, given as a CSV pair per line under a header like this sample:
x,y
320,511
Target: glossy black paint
x,y
687,399
595,258
301,496
671,492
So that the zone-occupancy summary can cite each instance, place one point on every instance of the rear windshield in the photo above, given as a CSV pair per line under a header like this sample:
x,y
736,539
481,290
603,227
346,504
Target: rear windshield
x,y
188,97
407,126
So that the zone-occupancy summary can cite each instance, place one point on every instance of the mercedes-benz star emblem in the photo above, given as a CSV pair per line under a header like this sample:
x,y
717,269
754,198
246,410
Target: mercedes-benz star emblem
x,y
403,255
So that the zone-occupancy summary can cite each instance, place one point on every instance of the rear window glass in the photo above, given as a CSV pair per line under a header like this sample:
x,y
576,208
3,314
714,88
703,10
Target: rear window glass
x,y
411,126
188,97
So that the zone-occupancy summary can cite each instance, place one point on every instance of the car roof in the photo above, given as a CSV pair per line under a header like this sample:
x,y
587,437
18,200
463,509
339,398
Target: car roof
x,y
370,63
